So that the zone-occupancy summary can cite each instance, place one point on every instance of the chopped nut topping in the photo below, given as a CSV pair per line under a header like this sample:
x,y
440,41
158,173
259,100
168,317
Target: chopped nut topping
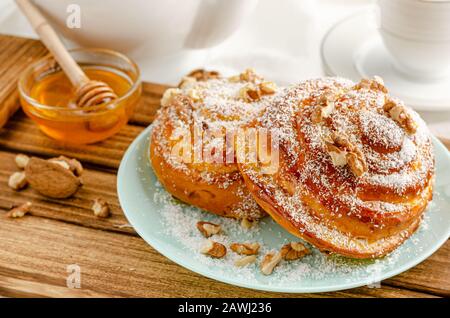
x,y
247,223
194,94
253,92
208,229
168,95
324,108
399,114
203,75
376,83
269,262
293,251
268,88
186,81
342,152
214,249
338,156
19,211
21,160
245,261
100,208
250,93
249,75
245,248
17,181
356,163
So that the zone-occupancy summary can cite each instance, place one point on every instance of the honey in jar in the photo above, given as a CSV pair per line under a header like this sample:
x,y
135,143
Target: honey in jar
x,y
49,101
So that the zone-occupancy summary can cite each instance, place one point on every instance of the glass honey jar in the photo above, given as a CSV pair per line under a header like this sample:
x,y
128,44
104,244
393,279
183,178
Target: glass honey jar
x,y
46,95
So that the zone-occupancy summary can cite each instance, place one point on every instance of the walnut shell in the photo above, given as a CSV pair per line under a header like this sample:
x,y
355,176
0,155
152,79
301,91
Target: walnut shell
x,y
51,179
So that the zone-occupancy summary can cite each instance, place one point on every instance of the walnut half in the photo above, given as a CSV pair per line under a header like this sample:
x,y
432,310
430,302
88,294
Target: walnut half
x,y
293,251
17,181
19,211
245,260
245,248
269,262
100,208
214,249
342,153
208,229
376,84
324,108
248,223
399,114
250,93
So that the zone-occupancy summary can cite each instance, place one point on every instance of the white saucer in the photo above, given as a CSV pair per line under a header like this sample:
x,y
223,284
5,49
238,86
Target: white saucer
x,y
354,49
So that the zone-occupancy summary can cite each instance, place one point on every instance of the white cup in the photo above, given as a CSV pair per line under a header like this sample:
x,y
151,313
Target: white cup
x,y
417,34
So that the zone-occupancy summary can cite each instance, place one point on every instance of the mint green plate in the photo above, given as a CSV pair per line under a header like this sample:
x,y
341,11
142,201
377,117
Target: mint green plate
x,y
169,226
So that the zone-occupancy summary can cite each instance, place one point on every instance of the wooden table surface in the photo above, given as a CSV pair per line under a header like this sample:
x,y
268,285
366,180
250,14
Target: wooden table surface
x,y
115,262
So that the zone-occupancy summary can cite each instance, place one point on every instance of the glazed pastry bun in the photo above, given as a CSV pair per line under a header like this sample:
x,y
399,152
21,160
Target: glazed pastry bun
x,y
355,169
190,141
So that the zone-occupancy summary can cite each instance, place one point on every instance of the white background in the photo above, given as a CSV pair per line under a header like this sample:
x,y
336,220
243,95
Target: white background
x,y
285,52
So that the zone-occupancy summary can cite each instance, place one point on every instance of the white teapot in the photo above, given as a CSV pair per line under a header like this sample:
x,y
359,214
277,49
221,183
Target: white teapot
x,y
163,26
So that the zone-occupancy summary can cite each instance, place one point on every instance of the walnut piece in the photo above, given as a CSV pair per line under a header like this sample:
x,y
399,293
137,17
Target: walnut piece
x,y
269,262
400,115
325,107
250,75
21,160
168,96
62,163
100,208
203,75
71,164
246,260
248,223
214,249
356,164
268,88
19,211
208,229
376,83
250,93
185,81
17,181
338,156
194,94
245,248
293,251
342,153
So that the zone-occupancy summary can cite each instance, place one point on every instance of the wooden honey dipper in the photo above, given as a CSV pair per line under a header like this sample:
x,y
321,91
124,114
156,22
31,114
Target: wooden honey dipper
x,y
88,92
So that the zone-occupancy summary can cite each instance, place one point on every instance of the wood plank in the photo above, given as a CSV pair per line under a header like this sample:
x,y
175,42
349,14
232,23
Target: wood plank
x,y
16,54
21,134
55,224
76,209
431,276
148,104
111,264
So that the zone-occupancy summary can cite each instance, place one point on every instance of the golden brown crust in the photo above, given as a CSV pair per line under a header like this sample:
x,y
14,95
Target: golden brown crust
x,y
189,188
212,107
352,178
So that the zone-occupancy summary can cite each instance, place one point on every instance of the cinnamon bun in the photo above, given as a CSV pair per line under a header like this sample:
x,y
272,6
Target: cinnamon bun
x,y
355,169
189,141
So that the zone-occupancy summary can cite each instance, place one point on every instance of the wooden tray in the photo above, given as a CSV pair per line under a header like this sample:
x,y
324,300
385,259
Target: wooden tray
x,y
36,250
